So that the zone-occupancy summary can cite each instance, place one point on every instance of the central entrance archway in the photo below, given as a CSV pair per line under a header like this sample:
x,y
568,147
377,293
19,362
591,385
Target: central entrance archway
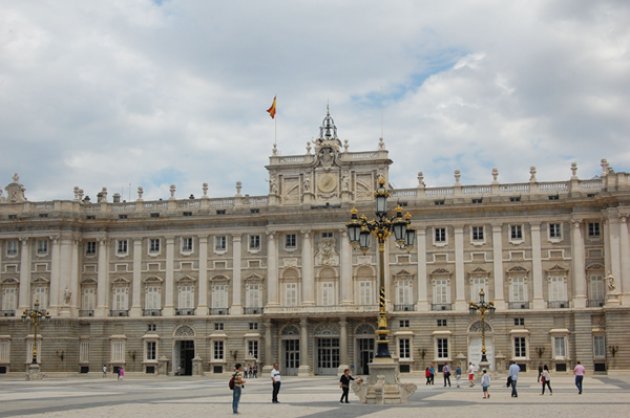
x,y
474,344
183,351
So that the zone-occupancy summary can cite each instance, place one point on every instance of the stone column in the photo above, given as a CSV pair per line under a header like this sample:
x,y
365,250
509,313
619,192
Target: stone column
x,y
272,271
55,277
497,253
102,287
460,281
308,271
421,249
345,270
624,281
202,306
578,265
136,285
25,275
268,354
75,286
305,368
537,273
65,270
343,345
237,291
169,278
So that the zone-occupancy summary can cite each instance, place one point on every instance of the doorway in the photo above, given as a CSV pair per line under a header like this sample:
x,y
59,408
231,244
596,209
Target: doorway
x,y
365,353
291,357
186,352
474,351
327,356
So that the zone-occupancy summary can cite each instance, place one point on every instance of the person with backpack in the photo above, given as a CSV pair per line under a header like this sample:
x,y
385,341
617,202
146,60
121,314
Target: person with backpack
x,y
237,383
545,379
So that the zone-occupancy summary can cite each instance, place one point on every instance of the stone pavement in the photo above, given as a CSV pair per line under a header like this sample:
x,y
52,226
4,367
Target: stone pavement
x,y
316,397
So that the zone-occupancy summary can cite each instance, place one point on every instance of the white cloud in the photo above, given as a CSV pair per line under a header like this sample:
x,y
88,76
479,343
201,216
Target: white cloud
x,y
147,93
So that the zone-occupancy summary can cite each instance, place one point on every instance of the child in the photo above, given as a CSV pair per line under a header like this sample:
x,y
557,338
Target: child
x,y
485,384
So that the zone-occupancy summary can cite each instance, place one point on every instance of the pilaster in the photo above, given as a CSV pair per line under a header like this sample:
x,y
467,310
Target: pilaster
x,y
460,283
421,250
347,296
136,285
169,277
237,291
308,279
497,255
272,271
537,273
202,306
305,368
102,287
25,275
579,265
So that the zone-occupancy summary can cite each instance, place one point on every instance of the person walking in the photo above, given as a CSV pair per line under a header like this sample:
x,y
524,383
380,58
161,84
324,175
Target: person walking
x,y
239,384
458,375
275,381
121,373
545,380
579,372
471,374
104,370
513,372
446,371
427,374
344,384
485,384
432,372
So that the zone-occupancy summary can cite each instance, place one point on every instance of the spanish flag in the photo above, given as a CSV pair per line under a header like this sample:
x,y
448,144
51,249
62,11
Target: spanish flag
x,y
272,109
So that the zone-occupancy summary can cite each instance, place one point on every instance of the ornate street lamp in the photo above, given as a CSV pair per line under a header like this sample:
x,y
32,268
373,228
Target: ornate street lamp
x,y
482,307
359,231
35,315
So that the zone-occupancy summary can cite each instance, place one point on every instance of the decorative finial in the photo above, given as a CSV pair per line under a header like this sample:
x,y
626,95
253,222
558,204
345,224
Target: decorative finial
x,y
140,193
172,190
458,176
574,170
495,175
204,188
274,150
532,174
239,185
421,180
381,144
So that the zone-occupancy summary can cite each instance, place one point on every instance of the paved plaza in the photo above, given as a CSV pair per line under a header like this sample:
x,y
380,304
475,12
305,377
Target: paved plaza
x,y
607,396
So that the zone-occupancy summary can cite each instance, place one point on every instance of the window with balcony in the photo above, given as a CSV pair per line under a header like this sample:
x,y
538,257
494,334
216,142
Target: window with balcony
x,y
441,294
596,290
253,298
290,294
327,293
40,294
219,302
366,292
477,284
88,300
557,286
403,288
8,302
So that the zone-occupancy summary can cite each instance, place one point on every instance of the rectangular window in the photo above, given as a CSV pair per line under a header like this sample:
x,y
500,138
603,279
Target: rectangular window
x,y
88,298
327,234
118,351
440,234
366,294
404,323
90,248
252,349
290,294
9,299
219,296
252,295
151,327
122,247
516,232
187,244
519,321
557,289
84,351
404,348
152,297
559,347
599,346
520,347
327,294
593,230
42,247
12,248
477,233
254,242
220,243
120,299
441,322
186,296
218,326
477,284
290,241
40,294
518,289
441,291
442,348
5,351
217,353
154,245
404,292
151,350
253,325
555,231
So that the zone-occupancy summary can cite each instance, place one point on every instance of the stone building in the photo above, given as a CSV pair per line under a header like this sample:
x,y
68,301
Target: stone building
x,y
193,285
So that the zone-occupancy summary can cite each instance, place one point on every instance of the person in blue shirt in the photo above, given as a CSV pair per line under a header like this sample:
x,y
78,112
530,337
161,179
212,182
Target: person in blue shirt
x,y
513,372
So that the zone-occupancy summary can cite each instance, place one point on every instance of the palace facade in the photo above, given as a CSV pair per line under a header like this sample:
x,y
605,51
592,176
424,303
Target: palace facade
x,y
194,285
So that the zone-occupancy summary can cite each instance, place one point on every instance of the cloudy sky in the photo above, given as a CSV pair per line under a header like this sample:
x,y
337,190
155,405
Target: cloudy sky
x,y
128,93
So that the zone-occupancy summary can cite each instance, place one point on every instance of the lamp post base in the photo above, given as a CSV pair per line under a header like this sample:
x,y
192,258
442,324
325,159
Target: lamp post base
x,y
383,386
34,372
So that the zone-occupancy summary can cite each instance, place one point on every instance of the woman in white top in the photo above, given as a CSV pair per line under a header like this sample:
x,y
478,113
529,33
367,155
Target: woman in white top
x,y
545,379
